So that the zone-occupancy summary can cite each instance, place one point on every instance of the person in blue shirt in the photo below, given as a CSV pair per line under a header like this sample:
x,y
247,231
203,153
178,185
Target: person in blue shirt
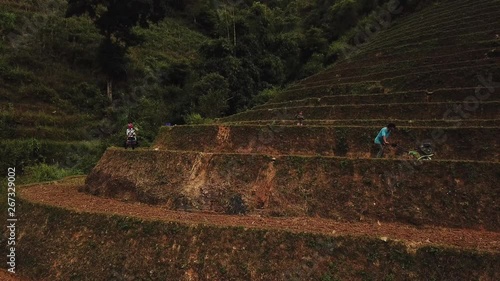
x,y
381,139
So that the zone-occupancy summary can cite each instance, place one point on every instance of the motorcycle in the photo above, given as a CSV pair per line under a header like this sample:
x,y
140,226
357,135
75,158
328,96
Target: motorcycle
x,y
423,152
131,142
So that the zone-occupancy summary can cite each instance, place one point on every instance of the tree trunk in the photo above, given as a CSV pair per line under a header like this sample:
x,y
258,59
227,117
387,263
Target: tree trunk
x,y
227,26
109,89
234,28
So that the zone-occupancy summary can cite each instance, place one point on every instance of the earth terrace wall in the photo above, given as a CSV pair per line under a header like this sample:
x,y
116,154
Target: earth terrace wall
x,y
473,109
434,13
353,142
416,53
409,56
440,95
404,61
439,16
479,123
82,246
407,68
480,26
420,80
467,77
472,76
301,92
446,193
427,25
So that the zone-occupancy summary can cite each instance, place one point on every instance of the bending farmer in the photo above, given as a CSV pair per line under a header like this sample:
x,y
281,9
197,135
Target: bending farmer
x,y
381,139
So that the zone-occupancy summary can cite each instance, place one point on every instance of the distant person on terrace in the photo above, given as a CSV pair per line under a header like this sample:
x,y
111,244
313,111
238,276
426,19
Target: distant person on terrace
x,y
381,139
300,119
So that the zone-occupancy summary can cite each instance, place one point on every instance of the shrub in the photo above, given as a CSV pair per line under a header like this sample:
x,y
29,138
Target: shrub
x,y
195,118
265,96
30,152
43,172
7,21
272,70
18,75
7,126
38,93
339,17
213,93
87,97
338,50
314,65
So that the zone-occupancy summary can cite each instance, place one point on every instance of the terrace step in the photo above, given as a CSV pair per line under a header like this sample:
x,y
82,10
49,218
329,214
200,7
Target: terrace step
x,y
298,92
49,133
450,41
77,154
378,59
404,63
480,144
485,76
382,60
398,70
443,193
430,17
469,123
41,125
44,121
473,56
413,111
484,20
40,118
175,238
464,68
480,23
440,11
311,216
440,95
380,36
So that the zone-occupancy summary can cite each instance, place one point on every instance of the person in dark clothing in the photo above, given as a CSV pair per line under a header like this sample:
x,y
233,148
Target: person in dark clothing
x,y
300,119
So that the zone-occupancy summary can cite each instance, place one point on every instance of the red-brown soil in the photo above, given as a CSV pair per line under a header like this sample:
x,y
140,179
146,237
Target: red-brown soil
x,y
7,276
67,196
326,140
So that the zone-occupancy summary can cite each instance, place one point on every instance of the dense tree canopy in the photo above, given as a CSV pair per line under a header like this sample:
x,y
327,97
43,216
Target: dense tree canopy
x,y
251,50
115,20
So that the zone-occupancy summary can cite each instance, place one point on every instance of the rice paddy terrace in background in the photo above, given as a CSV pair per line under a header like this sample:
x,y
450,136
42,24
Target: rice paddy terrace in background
x,y
36,123
255,197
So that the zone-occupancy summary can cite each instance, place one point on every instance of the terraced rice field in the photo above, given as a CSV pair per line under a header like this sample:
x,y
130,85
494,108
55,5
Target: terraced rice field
x,y
256,197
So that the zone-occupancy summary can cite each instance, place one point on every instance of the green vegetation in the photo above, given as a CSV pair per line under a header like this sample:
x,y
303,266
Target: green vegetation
x,y
115,21
21,154
43,172
206,61
91,247
202,62
244,50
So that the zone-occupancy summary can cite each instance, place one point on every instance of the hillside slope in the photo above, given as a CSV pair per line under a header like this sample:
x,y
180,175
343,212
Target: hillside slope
x,y
51,88
256,197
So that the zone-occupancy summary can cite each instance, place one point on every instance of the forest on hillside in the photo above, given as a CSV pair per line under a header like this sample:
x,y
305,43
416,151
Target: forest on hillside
x,y
236,54
153,62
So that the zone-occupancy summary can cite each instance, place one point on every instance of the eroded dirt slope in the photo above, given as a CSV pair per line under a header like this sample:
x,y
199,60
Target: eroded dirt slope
x,y
68,197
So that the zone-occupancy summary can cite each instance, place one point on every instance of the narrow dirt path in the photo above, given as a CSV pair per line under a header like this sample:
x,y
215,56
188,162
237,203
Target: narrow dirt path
x,y
66,195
